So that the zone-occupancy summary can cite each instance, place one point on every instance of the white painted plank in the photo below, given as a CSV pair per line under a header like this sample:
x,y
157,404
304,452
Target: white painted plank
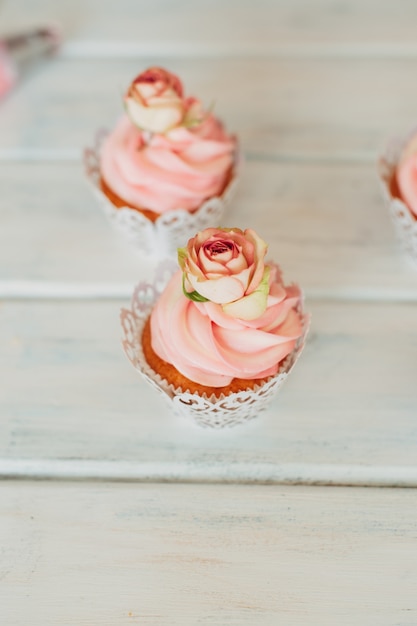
x,y
327,226
90,50
212,24
184,555
69,393
282,109
52,230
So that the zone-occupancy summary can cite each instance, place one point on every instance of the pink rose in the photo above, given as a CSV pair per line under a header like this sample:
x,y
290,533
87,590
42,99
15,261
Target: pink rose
x,y
226,266
154,101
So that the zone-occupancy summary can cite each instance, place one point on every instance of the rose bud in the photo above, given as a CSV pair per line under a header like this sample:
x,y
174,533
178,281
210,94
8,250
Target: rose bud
x,y
226,266
154,101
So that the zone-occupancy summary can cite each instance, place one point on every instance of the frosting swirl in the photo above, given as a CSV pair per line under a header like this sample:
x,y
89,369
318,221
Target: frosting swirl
x,y
407,175
210,347
161,172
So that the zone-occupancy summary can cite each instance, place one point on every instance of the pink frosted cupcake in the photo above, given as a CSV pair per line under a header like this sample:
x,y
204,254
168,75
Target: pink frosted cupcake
x,y
223,334
167,167
398,170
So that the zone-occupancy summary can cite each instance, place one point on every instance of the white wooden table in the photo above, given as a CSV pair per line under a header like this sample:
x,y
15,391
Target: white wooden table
x,y
279,522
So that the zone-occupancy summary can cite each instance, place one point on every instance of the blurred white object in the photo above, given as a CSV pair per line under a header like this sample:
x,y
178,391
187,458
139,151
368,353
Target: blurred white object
x,y
19,51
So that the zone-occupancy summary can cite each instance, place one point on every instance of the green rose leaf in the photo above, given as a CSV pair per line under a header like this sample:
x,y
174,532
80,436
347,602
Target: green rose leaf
x,y
182,255
192,295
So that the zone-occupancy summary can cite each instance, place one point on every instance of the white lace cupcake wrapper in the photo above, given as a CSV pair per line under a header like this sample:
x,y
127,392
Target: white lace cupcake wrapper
x,y
404,221
162,237
212,412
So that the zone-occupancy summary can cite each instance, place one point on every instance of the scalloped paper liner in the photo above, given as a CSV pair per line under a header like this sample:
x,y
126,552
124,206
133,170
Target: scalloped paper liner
x,y
212,412
405,223
161,238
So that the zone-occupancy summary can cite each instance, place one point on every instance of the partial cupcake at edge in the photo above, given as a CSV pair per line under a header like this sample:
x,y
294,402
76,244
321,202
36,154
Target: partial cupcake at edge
x,y
222,336
167,169
398,171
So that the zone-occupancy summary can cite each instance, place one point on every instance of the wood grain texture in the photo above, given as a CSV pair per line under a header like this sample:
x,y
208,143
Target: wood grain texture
x,y
160,554
313,90
326,225
311,128
281,109
239,26
68,392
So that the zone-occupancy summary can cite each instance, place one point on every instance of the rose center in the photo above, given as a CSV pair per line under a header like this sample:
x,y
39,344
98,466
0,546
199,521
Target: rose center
x,y
214,248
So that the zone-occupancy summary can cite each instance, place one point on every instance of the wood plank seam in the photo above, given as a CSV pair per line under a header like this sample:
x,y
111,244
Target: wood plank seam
x,y
89,50
235,473
11,290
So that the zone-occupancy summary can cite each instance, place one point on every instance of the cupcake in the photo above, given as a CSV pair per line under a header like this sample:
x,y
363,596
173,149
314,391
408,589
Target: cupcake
x,y
167,168
223,334
398,170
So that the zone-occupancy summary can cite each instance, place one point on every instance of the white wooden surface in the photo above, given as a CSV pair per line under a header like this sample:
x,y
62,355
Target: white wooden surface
x,y
358,27
292,109
151,555
311,124
313,89
343,406
336,244
311,121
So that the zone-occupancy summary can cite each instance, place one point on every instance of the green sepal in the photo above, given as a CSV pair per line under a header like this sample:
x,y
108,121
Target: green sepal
x,y
192,295
197,121
182,255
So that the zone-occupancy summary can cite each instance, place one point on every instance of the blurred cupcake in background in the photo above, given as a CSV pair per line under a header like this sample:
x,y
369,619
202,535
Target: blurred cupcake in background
x,y
398,172
167,168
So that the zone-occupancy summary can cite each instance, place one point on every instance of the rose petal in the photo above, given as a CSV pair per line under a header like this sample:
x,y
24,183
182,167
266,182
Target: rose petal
x,y
243,277
159,79
146,90
220,250
192,268
247,308
203,235
213,266
219,317
220,290
260,248
167,98
246,245
253,305
237,264
155,119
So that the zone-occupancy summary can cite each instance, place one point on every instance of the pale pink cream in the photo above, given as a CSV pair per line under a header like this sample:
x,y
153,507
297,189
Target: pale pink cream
x,y
211,348
407,176
178,170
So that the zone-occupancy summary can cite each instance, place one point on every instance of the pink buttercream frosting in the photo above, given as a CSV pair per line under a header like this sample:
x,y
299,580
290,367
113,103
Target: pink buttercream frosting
x,y
211,348
407,175
161,172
